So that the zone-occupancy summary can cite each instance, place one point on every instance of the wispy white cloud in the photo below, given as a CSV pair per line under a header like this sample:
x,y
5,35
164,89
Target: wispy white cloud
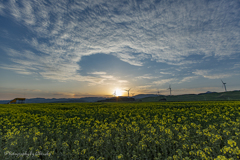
x,y
129,59
146,76
163,81
99,73
210,75
17,69
236,66
107,79
165,72
122,81
1,9
143,89
187,79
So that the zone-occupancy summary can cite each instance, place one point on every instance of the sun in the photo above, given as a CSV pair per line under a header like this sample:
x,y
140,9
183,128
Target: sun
x,y
118,92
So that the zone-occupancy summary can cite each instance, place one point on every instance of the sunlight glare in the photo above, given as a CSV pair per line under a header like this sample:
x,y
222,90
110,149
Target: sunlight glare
x,y
118,92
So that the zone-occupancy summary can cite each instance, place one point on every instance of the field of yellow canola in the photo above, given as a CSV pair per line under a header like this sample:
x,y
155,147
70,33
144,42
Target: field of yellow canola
x,y
97,131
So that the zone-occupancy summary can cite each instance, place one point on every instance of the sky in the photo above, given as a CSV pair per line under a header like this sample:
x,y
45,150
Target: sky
x,y
84,48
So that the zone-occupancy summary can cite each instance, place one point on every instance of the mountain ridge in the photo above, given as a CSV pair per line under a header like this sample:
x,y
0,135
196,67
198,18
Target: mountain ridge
x,y
229,95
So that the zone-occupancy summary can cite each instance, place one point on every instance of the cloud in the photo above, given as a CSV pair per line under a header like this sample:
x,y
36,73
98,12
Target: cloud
x,y
64,94
104,78
142,88
187,79
163,81
122,81
146,76
99,73
129,59
208,74
165,73
17,70
165,32
1,9
236,66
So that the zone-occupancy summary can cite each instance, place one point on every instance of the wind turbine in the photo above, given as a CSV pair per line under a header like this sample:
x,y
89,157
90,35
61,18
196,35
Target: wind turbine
x,y
133,94
158,92
224,84
170,90
128,92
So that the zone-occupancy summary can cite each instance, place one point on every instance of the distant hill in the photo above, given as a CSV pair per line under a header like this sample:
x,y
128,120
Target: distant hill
x,y
59,100
73,100
139,96
208,96
207,92
118,99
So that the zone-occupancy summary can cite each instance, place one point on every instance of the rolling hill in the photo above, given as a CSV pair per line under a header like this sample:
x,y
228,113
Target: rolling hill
x,y
208,96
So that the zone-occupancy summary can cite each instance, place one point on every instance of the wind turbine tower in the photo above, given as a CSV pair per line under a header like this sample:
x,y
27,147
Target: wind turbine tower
x,y
224,84
128,92
170,90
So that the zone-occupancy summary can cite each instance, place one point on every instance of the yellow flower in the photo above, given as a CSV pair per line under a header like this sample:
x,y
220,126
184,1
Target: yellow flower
x,y
232,143
13,143
34,139
192,153
168,131
120,156
175,157
83,151
92,158
185,146
225,149
76,142
179,119
129,143
134,157
37,133
51,153
220,157
65,144
144,146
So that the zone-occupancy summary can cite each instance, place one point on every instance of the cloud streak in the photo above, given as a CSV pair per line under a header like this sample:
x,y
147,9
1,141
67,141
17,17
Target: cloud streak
x,y
208,74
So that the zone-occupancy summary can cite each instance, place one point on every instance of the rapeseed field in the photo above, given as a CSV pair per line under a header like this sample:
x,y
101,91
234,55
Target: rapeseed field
x,y
138,131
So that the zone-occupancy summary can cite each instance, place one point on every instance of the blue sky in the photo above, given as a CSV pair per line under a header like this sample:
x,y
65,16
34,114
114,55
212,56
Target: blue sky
x,y
72,49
